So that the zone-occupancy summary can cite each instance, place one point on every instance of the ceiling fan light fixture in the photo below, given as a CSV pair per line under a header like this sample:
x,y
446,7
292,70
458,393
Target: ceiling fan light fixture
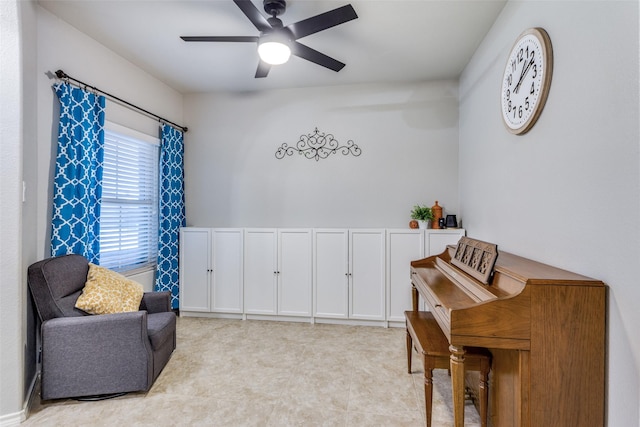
x,y
276,42
274,52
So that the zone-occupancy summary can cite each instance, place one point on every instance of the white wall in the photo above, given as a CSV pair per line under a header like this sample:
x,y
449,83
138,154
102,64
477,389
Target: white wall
x,y
61,46
408,136
11,313
35,44
29,59
568,192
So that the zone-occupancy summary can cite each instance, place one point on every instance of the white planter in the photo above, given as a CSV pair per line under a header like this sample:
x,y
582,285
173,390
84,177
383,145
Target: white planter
x,y
423,225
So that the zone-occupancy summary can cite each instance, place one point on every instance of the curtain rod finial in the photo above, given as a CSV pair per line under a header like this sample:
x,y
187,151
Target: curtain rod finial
x,y
61,74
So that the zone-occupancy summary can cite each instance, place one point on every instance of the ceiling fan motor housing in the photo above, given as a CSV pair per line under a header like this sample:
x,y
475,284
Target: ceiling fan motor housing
x,y
273,32
274,7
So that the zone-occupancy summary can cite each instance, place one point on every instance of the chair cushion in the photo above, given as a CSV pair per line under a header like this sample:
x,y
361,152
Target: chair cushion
x,y
160,327
107,292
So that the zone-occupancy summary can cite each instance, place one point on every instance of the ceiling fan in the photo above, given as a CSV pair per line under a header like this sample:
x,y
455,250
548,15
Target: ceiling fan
x,y
284,39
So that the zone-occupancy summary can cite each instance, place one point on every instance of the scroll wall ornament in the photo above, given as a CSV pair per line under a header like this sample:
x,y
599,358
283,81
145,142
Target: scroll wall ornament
x,y
318,145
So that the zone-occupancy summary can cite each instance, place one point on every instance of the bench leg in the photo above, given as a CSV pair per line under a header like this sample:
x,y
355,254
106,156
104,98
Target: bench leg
x,y
409,351
428,390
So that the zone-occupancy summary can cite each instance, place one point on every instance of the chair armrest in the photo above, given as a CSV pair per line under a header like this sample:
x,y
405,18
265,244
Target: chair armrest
x,y
100,331
156,302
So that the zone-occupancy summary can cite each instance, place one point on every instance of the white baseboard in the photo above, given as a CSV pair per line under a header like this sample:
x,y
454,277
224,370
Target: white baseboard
x,y
12,420
210,315
351,322
334,321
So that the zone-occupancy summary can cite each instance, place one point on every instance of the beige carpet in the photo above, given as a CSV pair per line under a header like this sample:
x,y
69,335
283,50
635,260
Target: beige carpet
x,y
260,373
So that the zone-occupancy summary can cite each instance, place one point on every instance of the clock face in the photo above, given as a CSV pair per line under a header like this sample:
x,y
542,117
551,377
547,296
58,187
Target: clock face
x,y
526,80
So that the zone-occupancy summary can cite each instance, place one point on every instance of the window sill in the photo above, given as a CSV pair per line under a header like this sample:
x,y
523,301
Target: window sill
x,y
137,271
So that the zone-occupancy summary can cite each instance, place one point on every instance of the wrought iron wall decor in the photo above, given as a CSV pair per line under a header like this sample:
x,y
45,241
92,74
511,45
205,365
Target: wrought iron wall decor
x,y
318,145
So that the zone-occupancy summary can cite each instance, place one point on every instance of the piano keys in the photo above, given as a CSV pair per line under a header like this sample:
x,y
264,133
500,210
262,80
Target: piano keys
x,y
544,326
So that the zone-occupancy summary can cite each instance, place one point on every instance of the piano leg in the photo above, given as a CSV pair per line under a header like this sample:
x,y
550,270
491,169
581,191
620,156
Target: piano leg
x,y
457,383
415,297
484,391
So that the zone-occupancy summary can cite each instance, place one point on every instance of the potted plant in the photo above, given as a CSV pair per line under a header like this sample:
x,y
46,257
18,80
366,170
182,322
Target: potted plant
x,y
422,214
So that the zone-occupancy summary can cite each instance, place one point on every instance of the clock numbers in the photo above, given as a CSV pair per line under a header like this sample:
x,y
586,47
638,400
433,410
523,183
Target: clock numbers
x,y
523,81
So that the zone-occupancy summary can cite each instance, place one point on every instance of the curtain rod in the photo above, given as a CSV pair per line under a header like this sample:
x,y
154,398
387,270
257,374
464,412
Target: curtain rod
x,y
62,75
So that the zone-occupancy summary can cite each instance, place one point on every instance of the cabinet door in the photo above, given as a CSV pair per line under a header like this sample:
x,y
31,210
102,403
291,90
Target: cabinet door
x,y
403,246
227,266
367,274
260,269
330,271
294,272
437,240
195,270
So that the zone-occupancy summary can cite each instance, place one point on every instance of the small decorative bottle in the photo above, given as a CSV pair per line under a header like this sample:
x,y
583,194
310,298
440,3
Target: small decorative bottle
x,y
437,214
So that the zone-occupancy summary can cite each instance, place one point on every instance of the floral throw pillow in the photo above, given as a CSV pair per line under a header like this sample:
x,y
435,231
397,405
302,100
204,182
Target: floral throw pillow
x,y
107,292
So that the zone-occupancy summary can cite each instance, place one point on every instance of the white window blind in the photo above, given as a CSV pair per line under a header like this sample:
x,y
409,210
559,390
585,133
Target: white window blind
x,y
129,212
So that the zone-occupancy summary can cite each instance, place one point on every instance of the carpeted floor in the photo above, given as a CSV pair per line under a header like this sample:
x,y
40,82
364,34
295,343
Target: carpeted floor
x,y
262,373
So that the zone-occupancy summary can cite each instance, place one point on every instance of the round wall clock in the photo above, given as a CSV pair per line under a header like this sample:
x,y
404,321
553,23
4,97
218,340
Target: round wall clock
x,y
526,80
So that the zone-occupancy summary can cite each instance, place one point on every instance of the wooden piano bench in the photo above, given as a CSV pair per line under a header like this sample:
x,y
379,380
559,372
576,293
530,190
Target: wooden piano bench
x,y
423,332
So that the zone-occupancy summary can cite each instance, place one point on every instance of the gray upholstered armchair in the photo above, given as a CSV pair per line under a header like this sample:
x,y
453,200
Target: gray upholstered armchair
x,y
91,355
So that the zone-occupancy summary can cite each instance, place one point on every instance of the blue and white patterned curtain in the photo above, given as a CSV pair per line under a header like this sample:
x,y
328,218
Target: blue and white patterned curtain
x,y
172,215
77,186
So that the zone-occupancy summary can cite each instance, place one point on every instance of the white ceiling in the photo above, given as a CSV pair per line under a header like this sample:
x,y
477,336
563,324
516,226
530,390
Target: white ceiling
x,y
391,41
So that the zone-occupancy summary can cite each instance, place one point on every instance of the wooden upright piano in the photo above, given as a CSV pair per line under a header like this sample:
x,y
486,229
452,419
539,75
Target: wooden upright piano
x,y
545,329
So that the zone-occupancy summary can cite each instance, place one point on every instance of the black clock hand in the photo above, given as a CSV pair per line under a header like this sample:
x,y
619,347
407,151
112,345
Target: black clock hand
x,y
525,70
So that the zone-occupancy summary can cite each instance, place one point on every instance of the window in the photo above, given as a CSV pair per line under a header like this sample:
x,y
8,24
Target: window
x,y
129,212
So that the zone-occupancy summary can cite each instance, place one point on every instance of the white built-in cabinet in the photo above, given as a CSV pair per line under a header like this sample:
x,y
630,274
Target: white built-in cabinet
x,y
345,275
437,240
404,246
349,279
294,272
366,274
277,272
330,277
227,270
195,270
211,270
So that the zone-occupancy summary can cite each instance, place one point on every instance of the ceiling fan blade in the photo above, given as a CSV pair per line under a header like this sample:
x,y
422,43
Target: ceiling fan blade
x,y
263,69
220,38
313,55
254,15
322,22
